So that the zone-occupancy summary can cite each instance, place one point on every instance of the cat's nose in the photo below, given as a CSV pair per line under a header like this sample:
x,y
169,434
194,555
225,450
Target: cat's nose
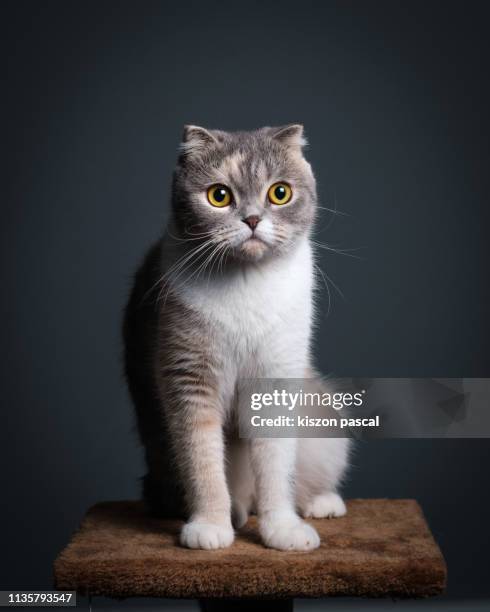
x,y
252,221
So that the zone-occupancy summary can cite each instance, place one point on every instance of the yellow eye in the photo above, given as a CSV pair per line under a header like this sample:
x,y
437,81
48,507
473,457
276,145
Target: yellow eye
x,y
279,193
219,196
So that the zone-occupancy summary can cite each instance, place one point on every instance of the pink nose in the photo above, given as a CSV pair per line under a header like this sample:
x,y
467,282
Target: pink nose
x,y
252,221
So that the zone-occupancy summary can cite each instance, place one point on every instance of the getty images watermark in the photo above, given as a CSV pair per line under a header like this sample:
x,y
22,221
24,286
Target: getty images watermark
x,y
300,400
364,408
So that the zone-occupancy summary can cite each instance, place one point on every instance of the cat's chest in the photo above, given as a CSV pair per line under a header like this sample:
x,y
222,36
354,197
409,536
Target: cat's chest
x,y
258,303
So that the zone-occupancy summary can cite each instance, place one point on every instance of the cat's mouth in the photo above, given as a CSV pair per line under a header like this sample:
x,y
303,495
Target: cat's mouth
x,y
253,247
253,238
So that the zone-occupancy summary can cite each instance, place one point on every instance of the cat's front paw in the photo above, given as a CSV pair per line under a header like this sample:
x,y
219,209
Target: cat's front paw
x,y
208,536
328,505
288,533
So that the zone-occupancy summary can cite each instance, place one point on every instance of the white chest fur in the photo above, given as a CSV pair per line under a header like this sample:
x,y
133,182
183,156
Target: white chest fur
x,y
262,313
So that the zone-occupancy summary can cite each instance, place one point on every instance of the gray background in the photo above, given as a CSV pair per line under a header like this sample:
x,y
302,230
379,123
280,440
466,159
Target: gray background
x,y
394,97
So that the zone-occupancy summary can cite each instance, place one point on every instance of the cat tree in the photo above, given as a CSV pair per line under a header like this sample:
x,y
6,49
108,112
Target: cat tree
x,y
381,548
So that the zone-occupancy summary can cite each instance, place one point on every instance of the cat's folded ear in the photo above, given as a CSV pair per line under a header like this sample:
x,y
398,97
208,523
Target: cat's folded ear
x,y
195,140
290,135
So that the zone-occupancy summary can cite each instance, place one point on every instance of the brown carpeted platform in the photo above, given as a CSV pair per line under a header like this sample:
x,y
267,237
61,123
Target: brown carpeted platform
x,y
382,547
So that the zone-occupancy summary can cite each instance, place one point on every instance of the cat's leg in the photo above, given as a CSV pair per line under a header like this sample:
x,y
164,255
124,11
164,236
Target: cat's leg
x,y
273,462
196,426
209,525
320,466
192,385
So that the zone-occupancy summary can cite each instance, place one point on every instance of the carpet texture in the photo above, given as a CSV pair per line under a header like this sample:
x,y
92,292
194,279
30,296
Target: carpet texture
x,y
381,548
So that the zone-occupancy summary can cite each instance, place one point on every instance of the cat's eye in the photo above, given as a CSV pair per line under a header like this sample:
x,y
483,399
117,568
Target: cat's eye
x,y
219,196
279,193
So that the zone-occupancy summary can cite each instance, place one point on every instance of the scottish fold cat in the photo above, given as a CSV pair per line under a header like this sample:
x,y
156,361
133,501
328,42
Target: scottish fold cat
x,y
226,294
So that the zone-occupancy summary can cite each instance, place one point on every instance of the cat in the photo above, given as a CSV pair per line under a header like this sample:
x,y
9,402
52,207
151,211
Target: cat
x,y
227,293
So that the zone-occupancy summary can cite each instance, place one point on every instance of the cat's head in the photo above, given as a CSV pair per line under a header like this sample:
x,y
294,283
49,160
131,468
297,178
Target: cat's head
x,y
252,194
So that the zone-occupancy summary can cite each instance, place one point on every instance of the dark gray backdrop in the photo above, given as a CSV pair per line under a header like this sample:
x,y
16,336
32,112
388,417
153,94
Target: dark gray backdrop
x,y
394,97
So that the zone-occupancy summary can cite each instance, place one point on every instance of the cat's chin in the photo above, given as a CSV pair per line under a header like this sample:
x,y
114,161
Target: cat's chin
x,y
252,249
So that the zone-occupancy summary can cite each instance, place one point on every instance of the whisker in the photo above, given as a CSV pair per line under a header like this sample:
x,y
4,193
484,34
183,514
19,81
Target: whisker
x,y
333,249
204,263
327,287
209,253
334,211
179,267
193,237
214,258
326,279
